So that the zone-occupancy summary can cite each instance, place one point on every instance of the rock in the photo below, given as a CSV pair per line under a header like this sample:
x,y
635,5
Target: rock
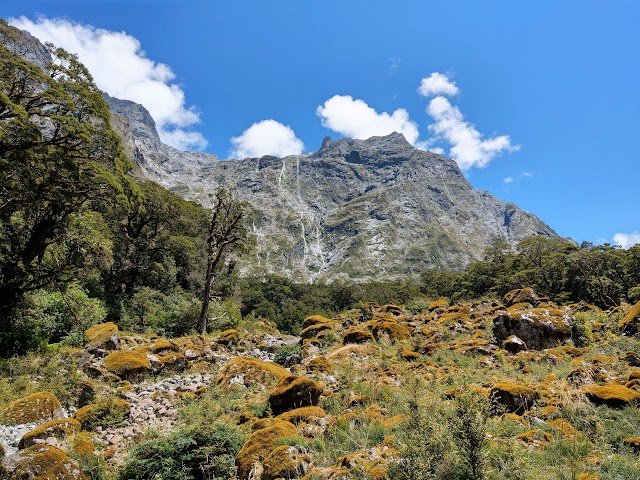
x,y
302,414
539,328
103,336
260,444
357,335
387,325
44,462
614,395
294,392
127,365
409,355
633,443
535,438
252,371
630,324
514,397
514,344
37,407
319,364
285,462
520,295
228,337
55,428
102,414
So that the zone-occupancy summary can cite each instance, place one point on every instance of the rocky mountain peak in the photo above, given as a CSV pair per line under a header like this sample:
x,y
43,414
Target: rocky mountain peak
x,y
389,147
25,45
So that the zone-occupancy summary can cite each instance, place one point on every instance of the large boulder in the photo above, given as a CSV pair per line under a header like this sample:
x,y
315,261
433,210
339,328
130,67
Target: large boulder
x,y
539,328
251,371
103,336
102,414
127,365
259,445
44,462
614,395
35,408
631,322
62,428
521,295
513,397
294,392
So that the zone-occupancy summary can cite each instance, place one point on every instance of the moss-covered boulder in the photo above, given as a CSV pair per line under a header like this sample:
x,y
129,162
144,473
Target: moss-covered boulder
x,y
302,414
630,324
513,397
319,364
44,462
251,371
35,408
285,462
514,344
61,428
127,365
294,392
614,395
520,295
539,328
103,336
316,320
102,414
357,335
387,325
633,443
228,337
260,444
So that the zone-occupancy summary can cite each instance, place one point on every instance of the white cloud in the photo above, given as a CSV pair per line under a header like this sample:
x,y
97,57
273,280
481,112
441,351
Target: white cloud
x,y
356,119
437,84
468,147
120,67
508,180
626,240
267,137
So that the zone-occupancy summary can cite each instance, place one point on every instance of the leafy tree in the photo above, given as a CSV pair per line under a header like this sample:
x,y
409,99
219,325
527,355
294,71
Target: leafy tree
x,y
59,159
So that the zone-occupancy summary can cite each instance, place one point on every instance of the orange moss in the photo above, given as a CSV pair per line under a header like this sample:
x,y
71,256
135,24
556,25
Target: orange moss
x,y
356,335
409,354
103,335
312,331
163,345
284,462
612,395
228,337
260,444
535,438
630,324
253,370
127,364
47,463
320,364
55,428
437,304
567,430
315,320
32,408
83,446
302,414
294,392
633,442
513,396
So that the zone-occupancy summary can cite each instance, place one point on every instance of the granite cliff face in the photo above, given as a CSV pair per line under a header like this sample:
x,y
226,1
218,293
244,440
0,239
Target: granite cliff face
x,y
363,209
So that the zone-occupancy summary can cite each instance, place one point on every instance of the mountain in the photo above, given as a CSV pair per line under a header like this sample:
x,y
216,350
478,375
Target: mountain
x,y
360,209
363,209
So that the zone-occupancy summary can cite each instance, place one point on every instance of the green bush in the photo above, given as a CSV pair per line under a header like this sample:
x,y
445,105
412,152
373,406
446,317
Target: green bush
x,y
167,314
284,355
196,452
581,332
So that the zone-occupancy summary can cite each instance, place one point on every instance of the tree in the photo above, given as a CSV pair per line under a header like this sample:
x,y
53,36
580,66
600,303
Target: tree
x,y
59,161
227,235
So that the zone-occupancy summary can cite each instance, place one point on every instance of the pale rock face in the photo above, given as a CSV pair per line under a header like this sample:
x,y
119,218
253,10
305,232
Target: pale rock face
x,y
360,209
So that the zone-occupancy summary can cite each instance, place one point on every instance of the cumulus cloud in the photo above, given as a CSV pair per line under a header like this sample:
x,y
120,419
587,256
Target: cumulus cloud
x,y
267,137
437,84
509,180
356,119
626,240
468,147
120,68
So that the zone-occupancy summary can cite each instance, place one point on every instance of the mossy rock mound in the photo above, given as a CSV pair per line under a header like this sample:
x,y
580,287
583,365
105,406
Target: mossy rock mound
x,y
62,428
313,331
102,414
44,462
514,397
539,328
630,324
438,304
35,408
319,364
228,337
302,414
251,371
127,365
614,395
513,344
633,443
163,347
294,392
260,444
535,438
380,326
103,336
312,320
285,462
356,335
520,295
409,355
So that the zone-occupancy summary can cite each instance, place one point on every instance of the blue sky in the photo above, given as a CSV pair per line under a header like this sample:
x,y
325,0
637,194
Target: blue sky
x,y
547,93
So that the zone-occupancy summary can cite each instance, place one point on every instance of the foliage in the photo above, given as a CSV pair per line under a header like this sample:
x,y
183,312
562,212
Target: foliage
x,y
284,355
204,451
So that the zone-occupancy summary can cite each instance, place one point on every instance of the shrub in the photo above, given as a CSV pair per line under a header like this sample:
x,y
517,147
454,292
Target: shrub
x,y
581,330
196,452
286,356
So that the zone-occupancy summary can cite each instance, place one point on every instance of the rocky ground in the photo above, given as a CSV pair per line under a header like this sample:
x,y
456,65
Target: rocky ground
x,y
336,402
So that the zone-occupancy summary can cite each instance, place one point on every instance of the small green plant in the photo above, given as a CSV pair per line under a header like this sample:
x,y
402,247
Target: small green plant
x,y
288,355
469,423
581,332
